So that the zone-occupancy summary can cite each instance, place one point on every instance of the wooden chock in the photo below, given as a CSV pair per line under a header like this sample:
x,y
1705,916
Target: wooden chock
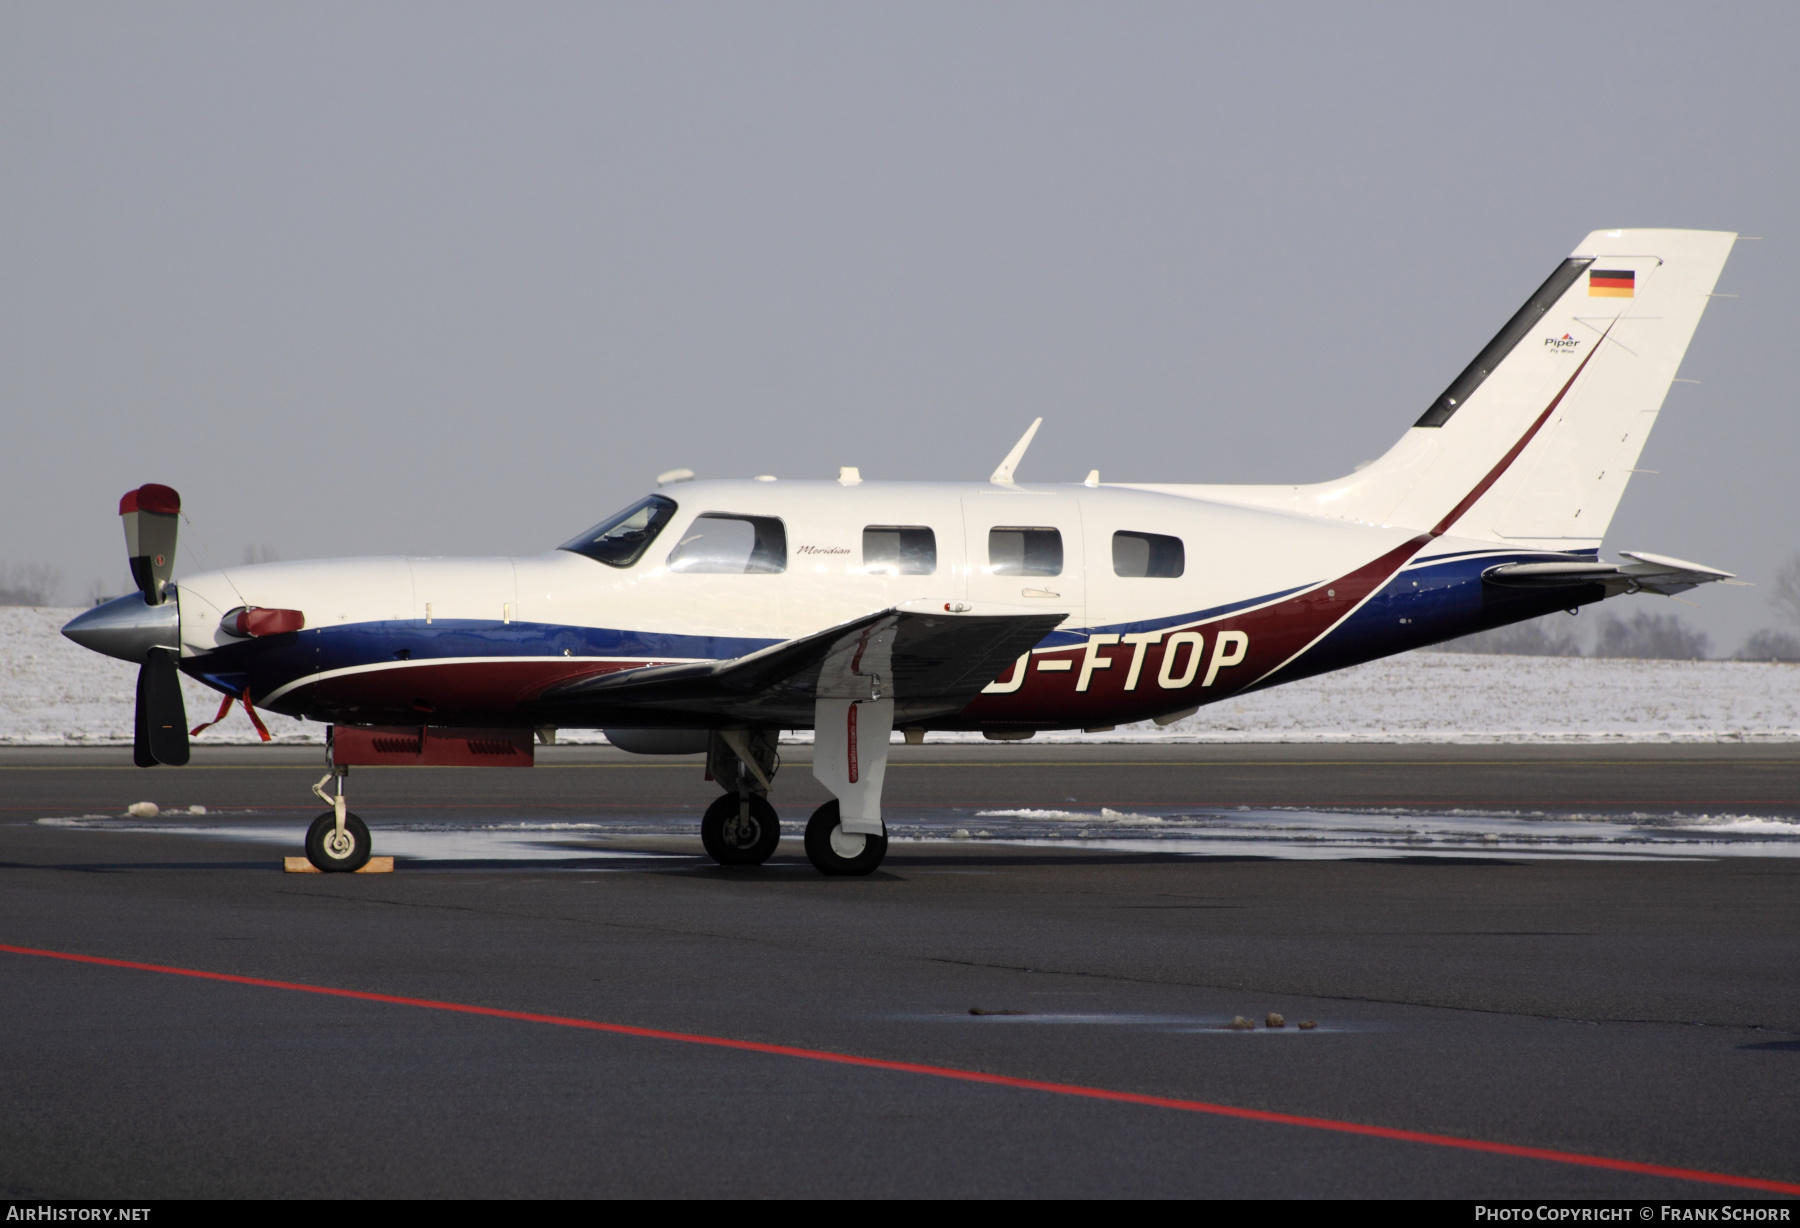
x,y
375,865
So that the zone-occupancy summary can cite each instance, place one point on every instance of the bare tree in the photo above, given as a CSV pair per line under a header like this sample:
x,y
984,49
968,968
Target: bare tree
x,y
99,590
1554,635
1785,596
1659,636
28,584
1770,645
261,554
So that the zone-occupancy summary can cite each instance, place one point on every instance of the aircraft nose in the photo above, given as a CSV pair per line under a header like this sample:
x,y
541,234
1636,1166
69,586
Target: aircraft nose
x,y
127,628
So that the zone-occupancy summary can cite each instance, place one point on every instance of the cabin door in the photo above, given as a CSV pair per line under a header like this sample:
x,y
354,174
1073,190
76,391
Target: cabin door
x,y
1024,552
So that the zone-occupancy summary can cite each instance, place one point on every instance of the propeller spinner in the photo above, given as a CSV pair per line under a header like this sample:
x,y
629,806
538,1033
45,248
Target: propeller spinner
x,y
145,626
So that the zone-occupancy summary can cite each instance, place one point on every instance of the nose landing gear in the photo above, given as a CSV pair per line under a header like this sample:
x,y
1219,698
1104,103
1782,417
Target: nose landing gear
x,y
338,841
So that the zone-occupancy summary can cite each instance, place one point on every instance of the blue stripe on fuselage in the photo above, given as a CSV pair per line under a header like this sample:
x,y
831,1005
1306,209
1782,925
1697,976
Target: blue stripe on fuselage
x,y
1434,600
266,665
1075,639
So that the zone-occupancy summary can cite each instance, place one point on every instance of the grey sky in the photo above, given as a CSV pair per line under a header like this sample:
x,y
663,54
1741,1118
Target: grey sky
x,y
461,279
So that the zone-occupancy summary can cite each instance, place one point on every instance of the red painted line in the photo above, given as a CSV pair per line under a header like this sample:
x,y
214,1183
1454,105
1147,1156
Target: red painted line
x,y
952,1072
1493,475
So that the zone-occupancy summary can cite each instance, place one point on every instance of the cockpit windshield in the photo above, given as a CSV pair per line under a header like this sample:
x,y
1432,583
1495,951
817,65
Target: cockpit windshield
x,y
620,541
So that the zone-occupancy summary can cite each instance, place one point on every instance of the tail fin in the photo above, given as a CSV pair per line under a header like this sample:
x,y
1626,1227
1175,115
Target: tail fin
x,y
1533,443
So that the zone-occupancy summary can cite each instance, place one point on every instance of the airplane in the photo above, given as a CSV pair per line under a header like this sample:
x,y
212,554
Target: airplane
x,y
708,617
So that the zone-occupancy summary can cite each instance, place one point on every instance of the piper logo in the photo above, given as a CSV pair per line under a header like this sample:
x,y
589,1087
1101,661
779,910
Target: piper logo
x,y
1562,344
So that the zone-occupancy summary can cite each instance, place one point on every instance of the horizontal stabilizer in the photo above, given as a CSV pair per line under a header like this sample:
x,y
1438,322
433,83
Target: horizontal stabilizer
x,y
1647,573
929,664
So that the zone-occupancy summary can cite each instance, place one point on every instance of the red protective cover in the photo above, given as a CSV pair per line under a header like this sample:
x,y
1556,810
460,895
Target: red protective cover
x,y
424,746
151,498
260,621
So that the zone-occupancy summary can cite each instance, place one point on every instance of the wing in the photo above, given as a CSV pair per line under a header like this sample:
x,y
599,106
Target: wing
x,y
929,664
1649,573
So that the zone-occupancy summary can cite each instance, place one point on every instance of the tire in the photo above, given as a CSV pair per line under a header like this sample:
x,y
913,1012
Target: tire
x,y
319,848
828,847
731,845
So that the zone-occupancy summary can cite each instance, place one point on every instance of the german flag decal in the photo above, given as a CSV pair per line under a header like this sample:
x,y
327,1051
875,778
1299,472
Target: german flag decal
x,y
1611,283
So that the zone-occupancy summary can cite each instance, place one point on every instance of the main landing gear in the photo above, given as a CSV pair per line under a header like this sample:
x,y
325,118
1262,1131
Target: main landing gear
x,y
836,852
338,841
741,828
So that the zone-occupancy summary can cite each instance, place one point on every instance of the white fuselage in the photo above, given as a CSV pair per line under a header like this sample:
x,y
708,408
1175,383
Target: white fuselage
x,y
510,626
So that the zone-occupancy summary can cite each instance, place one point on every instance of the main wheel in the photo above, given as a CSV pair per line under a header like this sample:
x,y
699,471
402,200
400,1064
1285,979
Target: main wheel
x,y
834,851
332,853
734,839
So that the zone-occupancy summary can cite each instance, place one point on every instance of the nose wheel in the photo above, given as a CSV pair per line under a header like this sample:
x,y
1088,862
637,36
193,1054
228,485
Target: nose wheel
x,y
334,849
740,829
338,841
836,852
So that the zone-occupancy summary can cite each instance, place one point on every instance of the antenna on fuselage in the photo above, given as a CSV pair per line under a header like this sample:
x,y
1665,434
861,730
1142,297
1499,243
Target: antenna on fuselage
x,y
1003,476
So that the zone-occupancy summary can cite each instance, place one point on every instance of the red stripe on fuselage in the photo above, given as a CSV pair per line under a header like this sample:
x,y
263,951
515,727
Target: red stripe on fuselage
x,y
1493,475
1277,633
493,691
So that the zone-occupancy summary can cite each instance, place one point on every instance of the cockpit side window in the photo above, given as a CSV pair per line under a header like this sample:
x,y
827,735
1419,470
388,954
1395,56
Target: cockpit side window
x,y
719,543
620,541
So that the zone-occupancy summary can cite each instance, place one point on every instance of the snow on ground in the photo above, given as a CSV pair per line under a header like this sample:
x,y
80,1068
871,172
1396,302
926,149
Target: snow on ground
x,y
54,693
1464,697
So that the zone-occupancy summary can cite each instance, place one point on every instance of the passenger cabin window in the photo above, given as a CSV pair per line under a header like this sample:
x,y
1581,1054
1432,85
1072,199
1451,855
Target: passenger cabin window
x,y
899,550
718,543
1024,551
620,541
1148,554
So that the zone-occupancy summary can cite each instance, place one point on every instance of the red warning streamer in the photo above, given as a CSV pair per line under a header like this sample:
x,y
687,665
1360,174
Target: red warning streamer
x,y
966,1076
254,719
224,707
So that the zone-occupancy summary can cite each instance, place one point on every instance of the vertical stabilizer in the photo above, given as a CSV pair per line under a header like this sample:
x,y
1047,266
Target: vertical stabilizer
x,y
1533,443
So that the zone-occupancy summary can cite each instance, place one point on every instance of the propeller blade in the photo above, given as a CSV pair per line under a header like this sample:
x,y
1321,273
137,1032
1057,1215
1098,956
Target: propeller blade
x,y
151,514
140,738
161,735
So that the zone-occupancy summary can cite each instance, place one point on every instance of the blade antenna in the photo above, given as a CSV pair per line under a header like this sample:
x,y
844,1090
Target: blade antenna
x,y
1003,476
213,558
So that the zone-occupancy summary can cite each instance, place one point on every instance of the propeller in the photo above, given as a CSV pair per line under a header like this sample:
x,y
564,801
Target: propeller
x,y
145,627
152,517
